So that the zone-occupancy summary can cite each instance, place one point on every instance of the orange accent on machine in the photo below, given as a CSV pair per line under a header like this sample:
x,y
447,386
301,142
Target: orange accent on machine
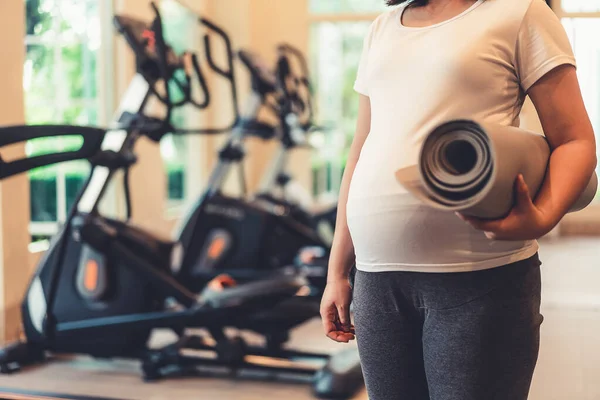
x,y
221,282
90,281
216,248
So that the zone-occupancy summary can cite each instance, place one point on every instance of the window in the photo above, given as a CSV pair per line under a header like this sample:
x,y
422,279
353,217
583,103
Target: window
x,y
337,34
577,6
63,83
335,74
180,153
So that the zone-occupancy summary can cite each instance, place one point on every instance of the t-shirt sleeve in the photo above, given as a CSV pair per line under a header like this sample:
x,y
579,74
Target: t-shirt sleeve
x,y
542,44
361,83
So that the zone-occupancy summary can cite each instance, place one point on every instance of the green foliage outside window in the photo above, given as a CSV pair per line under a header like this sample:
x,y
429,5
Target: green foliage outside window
x,y
179,27
335,54
38,20
43,181
53,95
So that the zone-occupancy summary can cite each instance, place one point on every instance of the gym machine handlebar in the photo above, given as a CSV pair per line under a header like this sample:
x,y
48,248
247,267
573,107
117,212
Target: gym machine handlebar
x,y
304,81
156,61
92,140
228,74
286,52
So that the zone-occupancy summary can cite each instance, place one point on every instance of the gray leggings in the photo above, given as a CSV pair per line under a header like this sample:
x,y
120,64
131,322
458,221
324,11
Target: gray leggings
x,y
455,336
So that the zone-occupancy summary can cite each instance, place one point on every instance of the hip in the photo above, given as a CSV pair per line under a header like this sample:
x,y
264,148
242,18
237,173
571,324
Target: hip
x,y
515,282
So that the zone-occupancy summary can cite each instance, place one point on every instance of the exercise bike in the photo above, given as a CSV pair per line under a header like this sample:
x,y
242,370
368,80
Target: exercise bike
x,y
245,239
287,97
295,114
103,285
252,234
297,124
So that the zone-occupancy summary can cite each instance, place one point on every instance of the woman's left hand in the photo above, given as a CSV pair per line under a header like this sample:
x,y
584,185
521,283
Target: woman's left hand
x,y
524,222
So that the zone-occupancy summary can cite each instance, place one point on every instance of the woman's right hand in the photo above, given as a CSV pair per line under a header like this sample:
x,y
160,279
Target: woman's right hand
x,y
335,311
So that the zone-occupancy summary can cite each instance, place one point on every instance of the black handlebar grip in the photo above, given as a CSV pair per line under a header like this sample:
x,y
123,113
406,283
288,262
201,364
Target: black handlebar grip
x,y
228,74
287,48
203,85
92,142
161,51
283,72
304,80
211,61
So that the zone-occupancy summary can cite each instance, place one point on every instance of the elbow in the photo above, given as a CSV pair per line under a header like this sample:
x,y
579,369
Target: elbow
x,y
591,144
587,150
592,157
584,150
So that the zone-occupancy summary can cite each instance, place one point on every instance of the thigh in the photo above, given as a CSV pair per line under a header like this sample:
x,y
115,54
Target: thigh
x,y
486,348
388,332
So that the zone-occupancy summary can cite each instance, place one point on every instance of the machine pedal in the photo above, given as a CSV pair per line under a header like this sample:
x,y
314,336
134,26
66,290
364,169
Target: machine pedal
x,y
9,368
17,355
232,352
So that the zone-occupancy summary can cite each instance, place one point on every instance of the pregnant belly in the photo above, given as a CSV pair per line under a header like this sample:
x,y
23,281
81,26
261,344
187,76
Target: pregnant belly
x,y
394,229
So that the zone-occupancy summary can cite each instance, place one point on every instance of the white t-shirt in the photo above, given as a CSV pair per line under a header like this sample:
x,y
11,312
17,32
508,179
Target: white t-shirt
x,y
477,65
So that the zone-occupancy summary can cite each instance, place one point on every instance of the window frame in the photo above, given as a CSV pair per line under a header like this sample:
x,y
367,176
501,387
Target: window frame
x,y
194,166
194,176
329,176
103,101
557,6
591,213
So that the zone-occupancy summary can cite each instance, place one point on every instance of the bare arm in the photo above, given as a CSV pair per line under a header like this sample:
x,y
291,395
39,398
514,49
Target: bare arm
x,y
342,251
558,101
335,303
557,98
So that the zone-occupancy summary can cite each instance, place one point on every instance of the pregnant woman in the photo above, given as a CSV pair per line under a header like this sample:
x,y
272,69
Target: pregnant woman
x,y
447,307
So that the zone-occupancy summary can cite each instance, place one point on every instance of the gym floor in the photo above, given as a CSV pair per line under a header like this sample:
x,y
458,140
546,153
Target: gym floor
x,y
568,367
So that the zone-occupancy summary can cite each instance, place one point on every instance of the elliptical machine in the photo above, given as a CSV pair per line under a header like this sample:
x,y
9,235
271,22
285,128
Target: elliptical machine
x,y
102,286
247,240
293,111
286,96
295,114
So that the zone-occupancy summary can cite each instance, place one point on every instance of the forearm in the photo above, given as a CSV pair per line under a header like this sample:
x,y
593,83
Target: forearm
x,y
341,257
569,170
559,104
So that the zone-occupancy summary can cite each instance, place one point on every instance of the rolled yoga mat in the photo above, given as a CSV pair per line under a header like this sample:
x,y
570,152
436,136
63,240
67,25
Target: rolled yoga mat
x,y
471,167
